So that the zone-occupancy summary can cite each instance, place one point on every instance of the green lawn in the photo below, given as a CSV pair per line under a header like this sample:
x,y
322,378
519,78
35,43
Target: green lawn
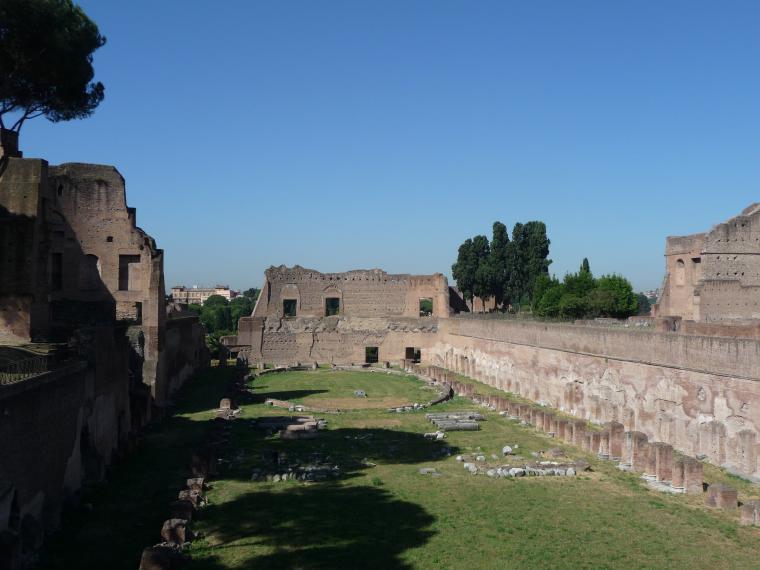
x,y
388,515
326,388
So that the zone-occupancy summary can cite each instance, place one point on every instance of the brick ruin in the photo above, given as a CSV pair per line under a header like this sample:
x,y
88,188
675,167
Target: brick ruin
x,y
88,351
686,378
303,315
714,277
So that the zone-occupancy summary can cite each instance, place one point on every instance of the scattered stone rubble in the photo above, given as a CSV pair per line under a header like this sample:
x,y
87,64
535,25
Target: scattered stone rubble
x,y
279,467
292,427
456,421
204,461
477,466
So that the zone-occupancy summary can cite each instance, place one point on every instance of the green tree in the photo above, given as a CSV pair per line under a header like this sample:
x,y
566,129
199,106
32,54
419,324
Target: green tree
x,y
619,300
517,256
500,264
585,265
645,306
240,307
536,256
465,268
214,341
482,286
252,293
549,304
543,283
46,49
571,306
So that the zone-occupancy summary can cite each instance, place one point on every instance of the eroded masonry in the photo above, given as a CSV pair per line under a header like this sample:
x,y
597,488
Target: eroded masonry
x,y
688,377
89,351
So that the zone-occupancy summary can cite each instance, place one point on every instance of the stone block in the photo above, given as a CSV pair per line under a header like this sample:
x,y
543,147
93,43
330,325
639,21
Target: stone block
x,y
175,532
750,513
722,496
225,404
635,450
678,473
693,478
617,431
663,453
161,558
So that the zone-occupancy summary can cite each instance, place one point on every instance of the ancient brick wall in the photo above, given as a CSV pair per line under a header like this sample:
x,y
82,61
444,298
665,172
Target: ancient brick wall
x,y
23,279
360,293
699,394
715,276
343,340
184,352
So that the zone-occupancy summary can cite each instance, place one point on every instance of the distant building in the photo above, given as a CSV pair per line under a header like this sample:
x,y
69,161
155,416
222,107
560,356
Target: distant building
x,y
198,295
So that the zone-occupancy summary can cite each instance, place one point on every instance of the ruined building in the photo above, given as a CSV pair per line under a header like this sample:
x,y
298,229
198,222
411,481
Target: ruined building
x,y
87,351
358,316
714,277
695,387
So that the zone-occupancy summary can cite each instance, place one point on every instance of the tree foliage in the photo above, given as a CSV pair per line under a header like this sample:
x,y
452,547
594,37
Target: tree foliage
x,y
645,306
252,293
46,49
503,269
481,250
580,295
220,316
464,269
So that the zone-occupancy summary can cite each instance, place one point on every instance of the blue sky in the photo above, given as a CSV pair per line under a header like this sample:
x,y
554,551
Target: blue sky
x,y
359,134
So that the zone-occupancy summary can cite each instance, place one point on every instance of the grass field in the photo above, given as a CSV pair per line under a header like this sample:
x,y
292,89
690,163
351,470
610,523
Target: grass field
x,y
388,515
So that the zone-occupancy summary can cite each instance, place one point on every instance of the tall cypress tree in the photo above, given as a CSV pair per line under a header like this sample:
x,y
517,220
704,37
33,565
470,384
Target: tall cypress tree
x,y
536,255
480,260
464,269
500,264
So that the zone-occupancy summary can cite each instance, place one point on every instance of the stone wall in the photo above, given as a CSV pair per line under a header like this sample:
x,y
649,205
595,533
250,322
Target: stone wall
x,y
374,309
361,293
342,340
60,429
77,276
699,394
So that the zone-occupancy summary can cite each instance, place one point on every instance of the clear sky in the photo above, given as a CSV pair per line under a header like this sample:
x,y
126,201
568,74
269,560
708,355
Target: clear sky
x,y
359,134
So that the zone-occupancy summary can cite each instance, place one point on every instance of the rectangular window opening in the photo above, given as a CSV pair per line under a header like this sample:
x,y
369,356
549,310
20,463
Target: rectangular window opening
x,y
413,354
332,306
426,307
371,354
129,267
289,307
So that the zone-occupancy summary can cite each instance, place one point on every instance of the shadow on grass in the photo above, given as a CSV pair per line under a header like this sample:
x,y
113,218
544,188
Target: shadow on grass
x,y
282,395
320,526
352,449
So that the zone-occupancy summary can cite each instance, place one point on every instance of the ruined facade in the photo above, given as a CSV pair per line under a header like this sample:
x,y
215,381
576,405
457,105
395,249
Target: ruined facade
x,y
714,277
87,351
364,315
